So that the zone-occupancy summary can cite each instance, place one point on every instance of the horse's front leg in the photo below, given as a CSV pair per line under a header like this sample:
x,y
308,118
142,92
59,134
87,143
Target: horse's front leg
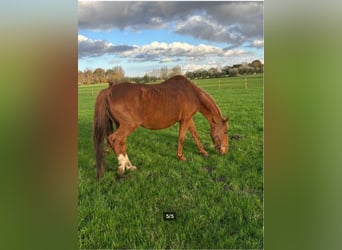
x,y
183,127
124,164
118,143
194,134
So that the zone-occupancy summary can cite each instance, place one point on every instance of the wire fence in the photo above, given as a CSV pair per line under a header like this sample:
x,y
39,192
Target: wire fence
x,y
241,82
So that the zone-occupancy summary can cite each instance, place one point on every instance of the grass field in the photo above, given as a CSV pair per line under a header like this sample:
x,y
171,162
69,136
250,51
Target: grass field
x,y
218,200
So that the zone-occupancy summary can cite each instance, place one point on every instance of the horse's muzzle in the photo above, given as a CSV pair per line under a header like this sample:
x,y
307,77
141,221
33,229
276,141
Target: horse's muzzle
x,y
222,149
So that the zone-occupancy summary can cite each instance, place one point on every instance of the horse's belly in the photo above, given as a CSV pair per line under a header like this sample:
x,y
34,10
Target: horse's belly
x,y
152,124
159,120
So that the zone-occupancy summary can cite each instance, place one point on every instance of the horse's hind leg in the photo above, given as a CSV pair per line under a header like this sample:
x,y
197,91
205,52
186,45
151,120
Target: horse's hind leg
x,y
109,131
194,134
107,149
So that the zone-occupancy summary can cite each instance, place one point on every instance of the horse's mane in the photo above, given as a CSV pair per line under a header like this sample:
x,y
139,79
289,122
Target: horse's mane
x,y
206,99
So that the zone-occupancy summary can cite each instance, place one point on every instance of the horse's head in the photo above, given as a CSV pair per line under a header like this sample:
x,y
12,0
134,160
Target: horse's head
x,y
219,135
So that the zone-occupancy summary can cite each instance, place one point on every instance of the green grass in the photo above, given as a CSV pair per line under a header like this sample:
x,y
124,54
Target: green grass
x,y
218,200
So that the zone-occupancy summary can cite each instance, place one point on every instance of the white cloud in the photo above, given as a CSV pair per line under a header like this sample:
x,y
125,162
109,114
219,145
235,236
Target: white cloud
x,y
193,67
230,22
155,51
236,52
93,48
175,49
205,66
82,38
258,43
169,59
206,28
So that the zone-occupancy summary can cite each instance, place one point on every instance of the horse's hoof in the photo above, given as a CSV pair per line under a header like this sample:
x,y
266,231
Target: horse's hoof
x,y
181,158
132,168
121,171
204,154
107,149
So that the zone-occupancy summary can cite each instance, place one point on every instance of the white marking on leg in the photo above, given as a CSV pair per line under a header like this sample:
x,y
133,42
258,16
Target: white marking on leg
x,y
122,160
122,164
129,165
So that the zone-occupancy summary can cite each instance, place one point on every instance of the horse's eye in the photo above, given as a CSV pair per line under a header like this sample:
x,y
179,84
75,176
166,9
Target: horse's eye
x,y
225,132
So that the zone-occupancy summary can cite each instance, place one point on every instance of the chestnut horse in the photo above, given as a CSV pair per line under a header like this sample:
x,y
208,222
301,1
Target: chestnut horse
x,y
153,106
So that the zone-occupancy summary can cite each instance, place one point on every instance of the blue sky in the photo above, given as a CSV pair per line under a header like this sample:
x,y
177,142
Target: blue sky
x,y
142,36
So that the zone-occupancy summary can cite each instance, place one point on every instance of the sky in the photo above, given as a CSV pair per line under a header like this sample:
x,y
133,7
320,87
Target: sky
x,y
142,36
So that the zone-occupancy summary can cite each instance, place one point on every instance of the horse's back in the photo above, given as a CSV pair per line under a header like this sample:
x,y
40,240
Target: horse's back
x,y
124,90
155,106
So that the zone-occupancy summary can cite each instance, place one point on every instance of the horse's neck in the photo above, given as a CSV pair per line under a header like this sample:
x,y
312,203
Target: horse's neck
x,y
209,108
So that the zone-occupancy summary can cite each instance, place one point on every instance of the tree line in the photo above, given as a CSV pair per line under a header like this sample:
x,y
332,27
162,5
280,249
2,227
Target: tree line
x,y
117,74
228,71
100,75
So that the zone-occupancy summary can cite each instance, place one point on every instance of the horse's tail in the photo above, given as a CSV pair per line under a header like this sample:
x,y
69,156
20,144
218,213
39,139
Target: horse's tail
x,y
103,127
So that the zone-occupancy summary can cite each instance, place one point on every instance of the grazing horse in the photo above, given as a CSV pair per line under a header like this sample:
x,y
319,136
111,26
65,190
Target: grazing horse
x,y
153,106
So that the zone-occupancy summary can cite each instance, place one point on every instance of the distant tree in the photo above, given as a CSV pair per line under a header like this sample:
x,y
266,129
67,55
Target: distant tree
x,y
225,70
243,69
119,73
99,75
190,75
251,70
115,75
109,75
88,76
81,78
164,72
256,64
155,74
176,70
204,73
197,73
146,78
212,72
233,71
